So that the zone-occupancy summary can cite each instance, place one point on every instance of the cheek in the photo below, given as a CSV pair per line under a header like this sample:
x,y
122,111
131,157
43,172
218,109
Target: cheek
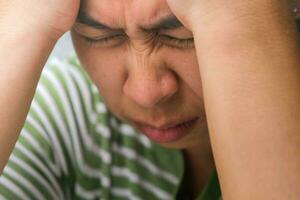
x,y
107,72
186,66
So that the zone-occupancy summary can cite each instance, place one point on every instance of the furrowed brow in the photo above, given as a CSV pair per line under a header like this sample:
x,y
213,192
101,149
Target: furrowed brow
x,y
167,23
84,18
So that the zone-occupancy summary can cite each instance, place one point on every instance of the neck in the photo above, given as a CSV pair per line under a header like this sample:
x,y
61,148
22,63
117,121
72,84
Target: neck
x,y
199,165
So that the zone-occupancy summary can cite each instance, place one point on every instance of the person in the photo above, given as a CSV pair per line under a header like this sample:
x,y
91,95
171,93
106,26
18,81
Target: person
x,y
213,85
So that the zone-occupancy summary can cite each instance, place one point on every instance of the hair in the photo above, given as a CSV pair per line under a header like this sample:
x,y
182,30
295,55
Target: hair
x,y
298,24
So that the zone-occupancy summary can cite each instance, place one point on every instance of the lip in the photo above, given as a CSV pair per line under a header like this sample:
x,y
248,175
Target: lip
x,y
167,132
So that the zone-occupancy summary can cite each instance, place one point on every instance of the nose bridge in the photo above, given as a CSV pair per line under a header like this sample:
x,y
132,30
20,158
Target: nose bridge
x,y
140,57
144,66
148,82
141,62
141,47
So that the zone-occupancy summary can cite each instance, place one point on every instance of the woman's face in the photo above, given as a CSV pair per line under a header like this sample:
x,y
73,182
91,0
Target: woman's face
x,y
144,63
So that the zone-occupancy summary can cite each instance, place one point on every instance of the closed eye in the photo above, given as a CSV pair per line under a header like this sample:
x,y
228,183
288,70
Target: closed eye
x,y
176,42
109,41
118,39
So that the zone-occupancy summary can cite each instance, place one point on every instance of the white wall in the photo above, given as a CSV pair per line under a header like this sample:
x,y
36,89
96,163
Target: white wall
x,y
63,48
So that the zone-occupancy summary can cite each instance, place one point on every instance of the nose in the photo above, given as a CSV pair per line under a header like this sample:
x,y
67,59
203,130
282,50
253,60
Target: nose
x,y
149,83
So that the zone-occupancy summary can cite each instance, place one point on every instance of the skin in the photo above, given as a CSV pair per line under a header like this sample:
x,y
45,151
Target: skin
x,y
21,23
152,85
234,90
157,84
251,93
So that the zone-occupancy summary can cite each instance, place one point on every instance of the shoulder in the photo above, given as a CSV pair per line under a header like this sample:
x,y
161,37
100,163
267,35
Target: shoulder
x,y
70,87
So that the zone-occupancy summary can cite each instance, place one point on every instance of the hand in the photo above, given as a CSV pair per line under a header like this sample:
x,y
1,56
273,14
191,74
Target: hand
x,y
43,16
187,10
219,14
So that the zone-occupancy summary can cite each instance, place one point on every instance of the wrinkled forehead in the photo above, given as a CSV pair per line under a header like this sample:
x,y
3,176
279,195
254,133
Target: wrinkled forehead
x,y
124,13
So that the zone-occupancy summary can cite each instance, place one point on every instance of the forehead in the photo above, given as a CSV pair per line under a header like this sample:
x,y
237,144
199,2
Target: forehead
x,y
126,12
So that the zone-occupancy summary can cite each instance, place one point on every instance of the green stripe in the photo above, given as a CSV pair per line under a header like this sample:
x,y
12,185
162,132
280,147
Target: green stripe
x,y
212,190
169,160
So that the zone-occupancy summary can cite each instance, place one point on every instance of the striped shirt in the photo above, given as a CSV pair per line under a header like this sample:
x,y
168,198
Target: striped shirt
x,y
73,147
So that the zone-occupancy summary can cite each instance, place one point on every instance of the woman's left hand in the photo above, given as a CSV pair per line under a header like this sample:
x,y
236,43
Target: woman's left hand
x,y
219,14
248,55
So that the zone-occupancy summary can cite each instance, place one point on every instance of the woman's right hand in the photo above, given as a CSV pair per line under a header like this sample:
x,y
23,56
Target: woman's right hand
x,y
53,17
29,30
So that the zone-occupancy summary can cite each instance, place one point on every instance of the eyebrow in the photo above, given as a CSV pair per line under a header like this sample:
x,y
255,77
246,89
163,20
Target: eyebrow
x,y
86,19
167,23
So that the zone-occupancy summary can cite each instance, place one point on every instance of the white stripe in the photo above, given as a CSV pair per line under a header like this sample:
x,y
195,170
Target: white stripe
x,y
13,188
50,74
132,155
28,169
58,152
86,170
84,89
41,131
56,117
156,191
25,183
38,127
85,194
144,140
100,107
94,118
39,148
127,130
2,197
126,173
95,89
103,130
158,172
41,166
124,193
88,141
66,107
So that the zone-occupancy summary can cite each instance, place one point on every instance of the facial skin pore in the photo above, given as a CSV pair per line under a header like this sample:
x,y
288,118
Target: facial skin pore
x,y
144,63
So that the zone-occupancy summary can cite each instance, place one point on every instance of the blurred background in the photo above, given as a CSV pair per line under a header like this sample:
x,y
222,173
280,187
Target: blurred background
x,y
63,48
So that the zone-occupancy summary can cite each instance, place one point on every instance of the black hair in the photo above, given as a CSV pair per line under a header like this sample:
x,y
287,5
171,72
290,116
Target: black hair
x,y
298,24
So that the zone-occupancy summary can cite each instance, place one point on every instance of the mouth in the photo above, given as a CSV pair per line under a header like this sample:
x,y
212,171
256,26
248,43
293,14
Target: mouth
x,y
168,132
